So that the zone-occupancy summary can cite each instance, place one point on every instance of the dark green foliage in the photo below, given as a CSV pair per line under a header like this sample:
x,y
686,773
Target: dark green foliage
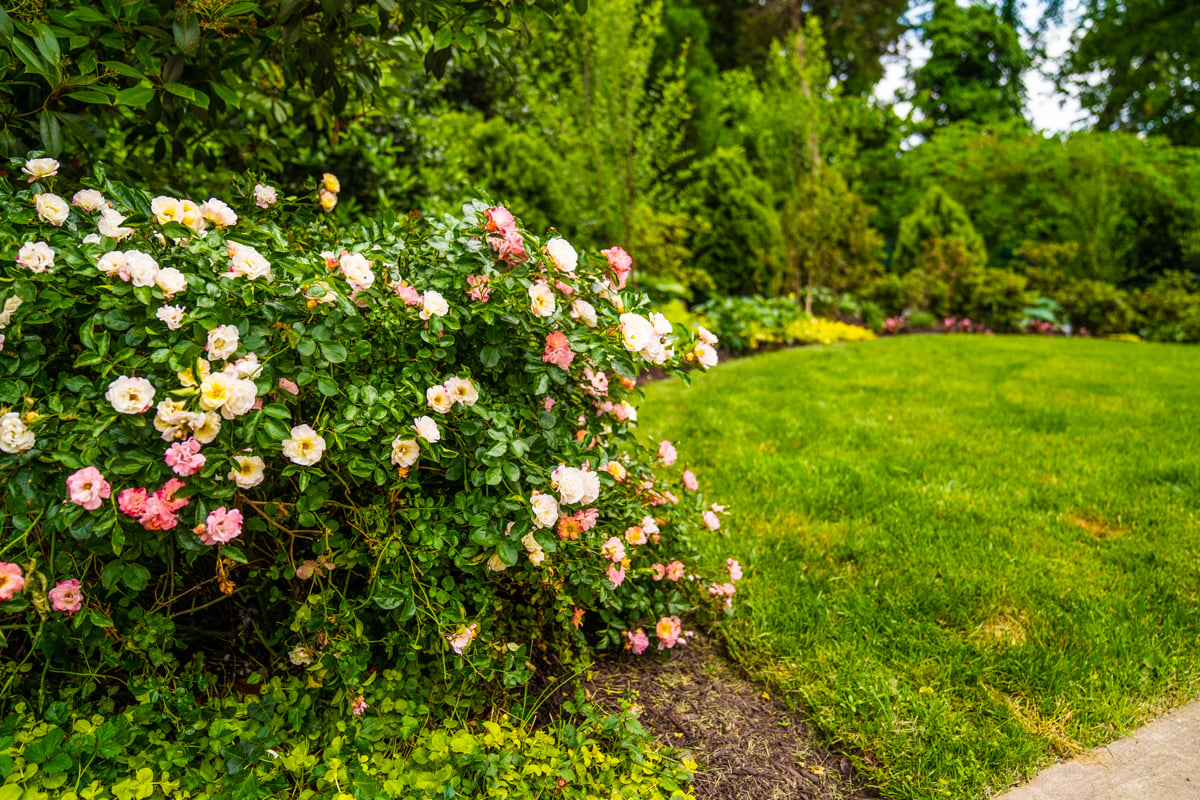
x,y
1097,307
996,298
742,250
1170,308
974,68
936,217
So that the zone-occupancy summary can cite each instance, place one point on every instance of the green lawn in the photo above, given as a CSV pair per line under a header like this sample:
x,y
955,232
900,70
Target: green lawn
x,y
965,555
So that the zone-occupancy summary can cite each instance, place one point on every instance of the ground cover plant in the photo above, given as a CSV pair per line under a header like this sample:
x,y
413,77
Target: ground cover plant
x,y
970,555
268,474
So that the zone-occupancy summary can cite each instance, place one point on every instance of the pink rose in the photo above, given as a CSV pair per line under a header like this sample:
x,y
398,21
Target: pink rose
x,y
621,265
289,386
548,403
66,597
408,294
11,580
735,570
577,617
638,641
667,452
509,247
358,706
132,502
558,350
616,574
185,457
157,514
668,631
499,220
674,570
711,520
660,571
479,291
222,526
87,488
689,481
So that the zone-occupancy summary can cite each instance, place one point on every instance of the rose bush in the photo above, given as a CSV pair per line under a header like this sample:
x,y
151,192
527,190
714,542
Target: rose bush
x,y
233,433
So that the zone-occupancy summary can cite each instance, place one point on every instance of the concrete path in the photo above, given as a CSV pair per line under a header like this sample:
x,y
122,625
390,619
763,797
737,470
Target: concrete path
x,y
1160,761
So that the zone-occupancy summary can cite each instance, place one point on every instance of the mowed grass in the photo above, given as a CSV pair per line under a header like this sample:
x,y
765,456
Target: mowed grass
x,y
966,556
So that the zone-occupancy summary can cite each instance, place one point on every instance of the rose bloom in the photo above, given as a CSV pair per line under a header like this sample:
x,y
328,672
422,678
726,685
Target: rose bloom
x,y
358,706
218,213
735,570
636,535
613,549
139,268
545,509
577,617
289,386
570,484
38,168
222,526
637,332
462,390
616,469
192,217
616,574
433,305
479,291
109,225
594,384
327,199
533,549
674,570
302,655
621,265
247,471
357,271
52,209
222,342
205,426
246,262
11,580
585,312
541,300
427,429
36,257
171,281
438,399
660,571
130,395
499,220
166,209
246,367
242,399
689,481
15,436
89,200
558,350
171,315
706,336
667,452
9,308
704,355
562,254
668,630
638,641
87,488
405,452
496,564
66,597
265,196
649,525
662,325
711,520
216,390
304,447
407,293
132,502
463,637
509,247
185,458
330,183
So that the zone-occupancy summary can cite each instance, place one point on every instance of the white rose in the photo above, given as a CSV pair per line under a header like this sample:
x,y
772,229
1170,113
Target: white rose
x,y
562,254
304,447
109,225
534,548
439,399
357,270
10,307
241,399
222,342
52,209
705,355
265,196
496,564
36,257
246,262
191,216
427,429
216,389
37,168
15,436
166,209
433,304
662,325
171,281
130,395
591,487
111,262
541,300
247,471
571,486
545,509
171,315
218,213
170,414
585,312
89,200
141,268
637,333
405,452
245,367
462,390
705,335
205,426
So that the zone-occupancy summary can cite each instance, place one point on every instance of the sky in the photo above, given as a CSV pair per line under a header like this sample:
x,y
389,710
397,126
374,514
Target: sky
x,y
1043,106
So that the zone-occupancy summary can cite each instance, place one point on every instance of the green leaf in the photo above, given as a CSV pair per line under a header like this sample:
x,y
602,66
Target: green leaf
x,y
136,577
276,430
511,471
306,347
121,68
327,386
193,96
234,554
50,132
6,24
277,410
135,96
335,353
90,96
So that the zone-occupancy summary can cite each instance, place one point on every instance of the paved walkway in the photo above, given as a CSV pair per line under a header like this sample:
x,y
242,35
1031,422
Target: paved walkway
x,y
1160,761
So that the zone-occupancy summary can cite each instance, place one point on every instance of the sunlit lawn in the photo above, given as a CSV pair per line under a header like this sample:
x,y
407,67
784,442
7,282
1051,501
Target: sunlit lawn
x,y
966,555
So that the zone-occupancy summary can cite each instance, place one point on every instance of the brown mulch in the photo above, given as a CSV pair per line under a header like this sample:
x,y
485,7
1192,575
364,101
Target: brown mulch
x,y
749,745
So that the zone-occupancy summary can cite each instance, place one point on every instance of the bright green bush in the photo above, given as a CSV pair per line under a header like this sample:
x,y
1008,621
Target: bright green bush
x,y
995,298
1170,309
937,222
1097,307
256,442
